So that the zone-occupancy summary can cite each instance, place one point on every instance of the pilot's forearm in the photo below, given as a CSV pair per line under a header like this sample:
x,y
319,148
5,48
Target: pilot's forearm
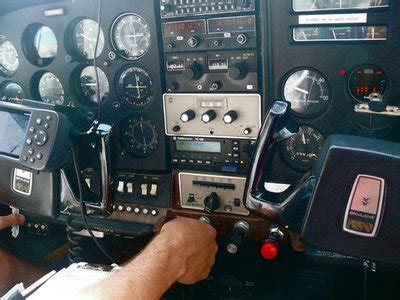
x,y
148,276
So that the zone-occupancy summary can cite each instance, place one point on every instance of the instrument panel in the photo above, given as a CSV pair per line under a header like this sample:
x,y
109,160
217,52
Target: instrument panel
x,y
179,79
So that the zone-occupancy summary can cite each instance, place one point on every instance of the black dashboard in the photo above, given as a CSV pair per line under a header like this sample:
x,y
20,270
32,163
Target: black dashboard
x,y
186,83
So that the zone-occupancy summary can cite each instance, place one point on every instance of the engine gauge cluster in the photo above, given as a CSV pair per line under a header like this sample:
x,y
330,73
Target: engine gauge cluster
x,y
9,61
366,80
302,150
135,88
130,35
308,91
140,136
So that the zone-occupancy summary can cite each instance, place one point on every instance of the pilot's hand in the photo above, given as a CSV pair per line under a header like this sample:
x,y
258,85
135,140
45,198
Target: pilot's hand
x,y
195,245
11,220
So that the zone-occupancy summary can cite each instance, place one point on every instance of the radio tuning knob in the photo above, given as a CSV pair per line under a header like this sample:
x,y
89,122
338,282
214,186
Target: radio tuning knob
x,y
193,72
211,203
188,116
241,39
238,71
193,42
230,117
208,116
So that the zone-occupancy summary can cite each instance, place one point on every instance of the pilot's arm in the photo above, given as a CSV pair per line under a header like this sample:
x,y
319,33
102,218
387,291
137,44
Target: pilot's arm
x,y
184,252
12,269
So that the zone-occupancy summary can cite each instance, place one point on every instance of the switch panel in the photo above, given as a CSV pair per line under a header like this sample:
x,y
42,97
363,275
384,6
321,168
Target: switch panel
x,y
213,115
212,193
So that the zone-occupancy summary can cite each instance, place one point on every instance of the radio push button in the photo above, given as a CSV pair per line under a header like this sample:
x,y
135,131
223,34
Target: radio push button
x,y
41,138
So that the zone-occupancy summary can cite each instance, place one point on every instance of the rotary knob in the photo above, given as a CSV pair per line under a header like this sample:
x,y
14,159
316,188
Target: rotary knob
x,y
193,72
237,71
188,116
230,117
208,116
211,203
193,42
241,39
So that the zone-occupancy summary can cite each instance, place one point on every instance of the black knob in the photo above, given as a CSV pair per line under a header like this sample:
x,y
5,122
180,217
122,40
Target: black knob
x,y
211,203
193,72
215,86
188,116
230,117
173,86
193,42
237,71
247,131
208,116
176,128
235,240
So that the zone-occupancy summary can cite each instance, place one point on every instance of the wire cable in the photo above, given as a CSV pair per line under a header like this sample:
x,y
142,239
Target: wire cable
x,y
83,208
99,5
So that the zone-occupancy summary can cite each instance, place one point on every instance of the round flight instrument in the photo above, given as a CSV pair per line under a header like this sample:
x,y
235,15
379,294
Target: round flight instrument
x,y
9,61
84,37
88,84
135,88
140,136
130,35
50,89
302,150
308,91
40,44
45,43
366,80
12,90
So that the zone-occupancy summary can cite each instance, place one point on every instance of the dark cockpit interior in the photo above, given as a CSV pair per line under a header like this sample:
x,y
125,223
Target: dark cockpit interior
x,y
274,121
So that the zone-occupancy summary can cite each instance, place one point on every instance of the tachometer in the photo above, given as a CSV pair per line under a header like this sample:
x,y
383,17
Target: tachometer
x,y
308,91
302,150
84,37
135,88
50,89
367,80
130,35
9,61
140,136
88,84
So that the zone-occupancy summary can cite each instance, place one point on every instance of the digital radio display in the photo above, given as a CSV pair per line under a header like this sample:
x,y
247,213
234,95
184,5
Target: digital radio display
x,y
12,132
235,24
198,146
174,29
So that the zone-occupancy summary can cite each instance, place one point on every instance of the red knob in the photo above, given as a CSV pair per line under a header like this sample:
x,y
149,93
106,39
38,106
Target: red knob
x,y
269,250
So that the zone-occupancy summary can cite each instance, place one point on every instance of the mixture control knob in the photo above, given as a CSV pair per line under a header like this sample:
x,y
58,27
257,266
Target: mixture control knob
x,y
188,116
235,240
193,72
237,71
241,39
211,203
208,116
193,42
230,117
